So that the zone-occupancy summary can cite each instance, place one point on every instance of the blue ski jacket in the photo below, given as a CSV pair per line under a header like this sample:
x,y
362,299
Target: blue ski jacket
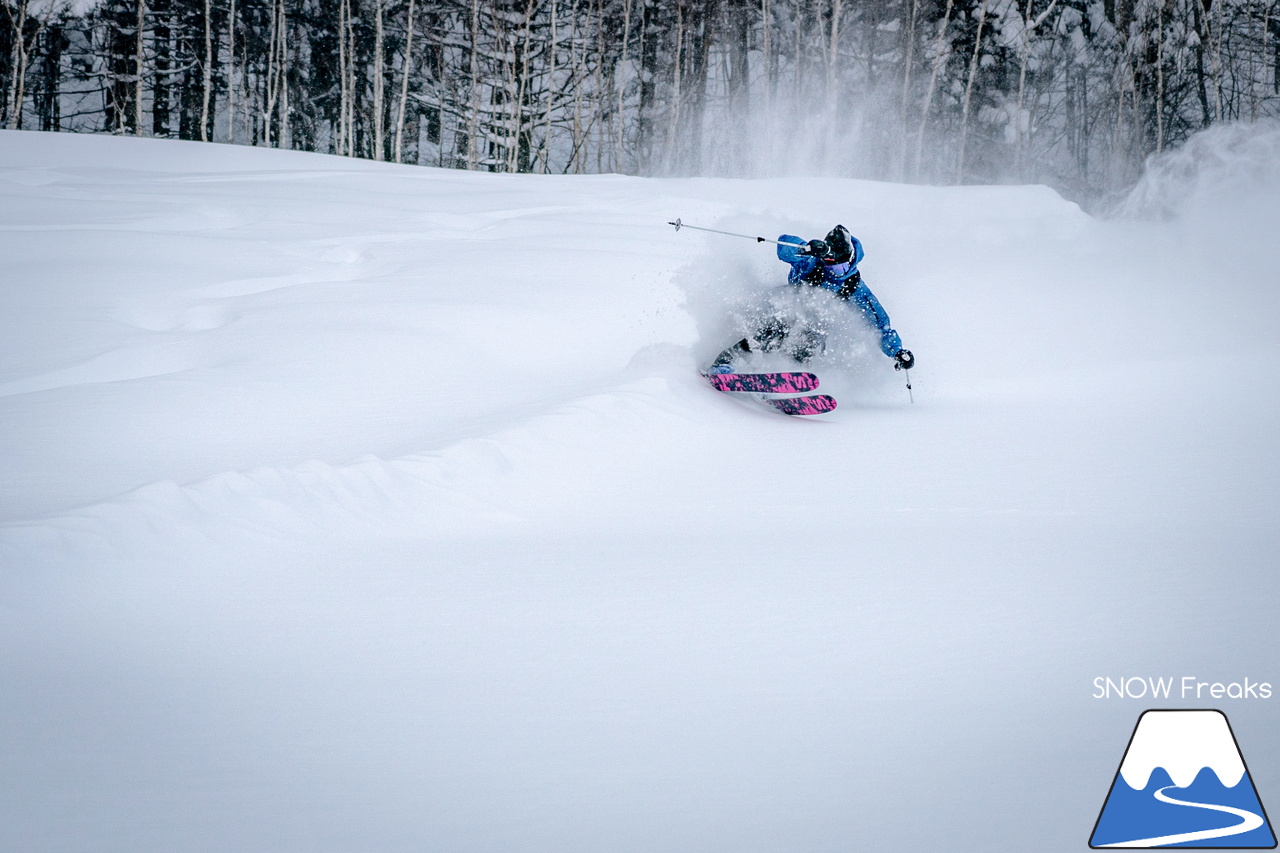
x,y
843,282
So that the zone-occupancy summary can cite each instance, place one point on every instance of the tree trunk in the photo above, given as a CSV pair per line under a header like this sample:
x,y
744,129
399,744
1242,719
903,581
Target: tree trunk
x,y
1029,25
18,65
647,101
206,77
673,121
346,73
118,94
545,152
600,103
699,51
622,80
162,42
515,160
968,93
1218,113
272,81
1160,80
231,71
769,58
49,103
833,58
379,121
1273,30
576,76
908,61
404,84
939,57
137,69
473,115
739,85
282,117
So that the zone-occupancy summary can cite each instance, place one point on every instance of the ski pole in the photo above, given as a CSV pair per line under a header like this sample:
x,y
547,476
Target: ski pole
x,y
910,396
678,224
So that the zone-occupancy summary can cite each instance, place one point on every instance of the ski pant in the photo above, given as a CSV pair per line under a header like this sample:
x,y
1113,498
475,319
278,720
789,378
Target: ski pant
x,y
775,332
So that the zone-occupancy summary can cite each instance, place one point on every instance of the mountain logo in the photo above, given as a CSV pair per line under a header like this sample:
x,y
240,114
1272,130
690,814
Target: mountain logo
x,y
1182,783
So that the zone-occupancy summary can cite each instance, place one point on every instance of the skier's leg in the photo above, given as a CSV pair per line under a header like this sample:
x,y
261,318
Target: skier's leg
x,y
731,354
771,334
871,308
807,344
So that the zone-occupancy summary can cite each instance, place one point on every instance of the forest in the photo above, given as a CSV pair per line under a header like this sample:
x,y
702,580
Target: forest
x,y
1075,94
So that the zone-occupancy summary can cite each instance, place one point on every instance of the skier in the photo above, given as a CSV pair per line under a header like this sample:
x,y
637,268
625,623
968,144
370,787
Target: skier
x,y
830,264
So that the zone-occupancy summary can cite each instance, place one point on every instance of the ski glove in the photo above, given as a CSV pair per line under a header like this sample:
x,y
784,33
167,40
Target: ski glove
x,y
817,248
903,360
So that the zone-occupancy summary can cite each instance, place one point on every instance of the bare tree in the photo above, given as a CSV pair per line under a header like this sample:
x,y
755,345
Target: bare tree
x,y
404,82
21,54
940,56
660,86
908,63
345,136
231,71
544,152
1029,26
968,92
622,82
206,75
379,81
138,68
673,122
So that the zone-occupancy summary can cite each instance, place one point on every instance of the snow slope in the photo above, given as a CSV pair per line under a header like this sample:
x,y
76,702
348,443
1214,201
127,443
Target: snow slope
x,y
349,506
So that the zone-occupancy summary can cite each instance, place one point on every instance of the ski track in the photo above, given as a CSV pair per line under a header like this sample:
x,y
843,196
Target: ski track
x,y
384,494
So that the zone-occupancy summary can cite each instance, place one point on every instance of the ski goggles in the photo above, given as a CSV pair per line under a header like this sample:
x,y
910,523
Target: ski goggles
x,y
837,270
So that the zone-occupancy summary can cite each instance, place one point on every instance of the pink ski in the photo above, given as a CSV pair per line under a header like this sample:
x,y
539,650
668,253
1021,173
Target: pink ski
x,y
764,383
815,404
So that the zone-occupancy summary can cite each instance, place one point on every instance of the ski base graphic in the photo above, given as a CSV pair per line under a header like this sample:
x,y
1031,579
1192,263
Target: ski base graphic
x,y
816,404
765,383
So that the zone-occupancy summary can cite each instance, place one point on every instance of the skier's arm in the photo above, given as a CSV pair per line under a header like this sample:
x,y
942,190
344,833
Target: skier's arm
x,y
866,302
793,250
789,247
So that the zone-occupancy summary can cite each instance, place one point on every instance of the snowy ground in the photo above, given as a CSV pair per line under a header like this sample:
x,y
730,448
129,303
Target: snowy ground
x,y
354,507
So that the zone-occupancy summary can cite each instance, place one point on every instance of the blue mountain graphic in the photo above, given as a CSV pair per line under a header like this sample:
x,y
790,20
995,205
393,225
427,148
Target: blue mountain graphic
x,y
1131,814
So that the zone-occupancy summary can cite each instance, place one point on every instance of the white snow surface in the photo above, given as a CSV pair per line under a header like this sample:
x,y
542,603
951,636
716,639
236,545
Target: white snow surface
x,y
1183,743
356,507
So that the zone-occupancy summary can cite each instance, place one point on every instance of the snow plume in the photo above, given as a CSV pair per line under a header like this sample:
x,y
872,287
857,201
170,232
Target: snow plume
x,y
1221,193
785,324
1215,171
807,130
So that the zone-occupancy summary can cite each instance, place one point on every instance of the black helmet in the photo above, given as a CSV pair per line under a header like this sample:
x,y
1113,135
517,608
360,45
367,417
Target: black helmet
x,y
839,246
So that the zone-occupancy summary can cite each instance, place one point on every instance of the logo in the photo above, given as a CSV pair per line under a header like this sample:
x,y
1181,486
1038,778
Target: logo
x,y
1182,782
